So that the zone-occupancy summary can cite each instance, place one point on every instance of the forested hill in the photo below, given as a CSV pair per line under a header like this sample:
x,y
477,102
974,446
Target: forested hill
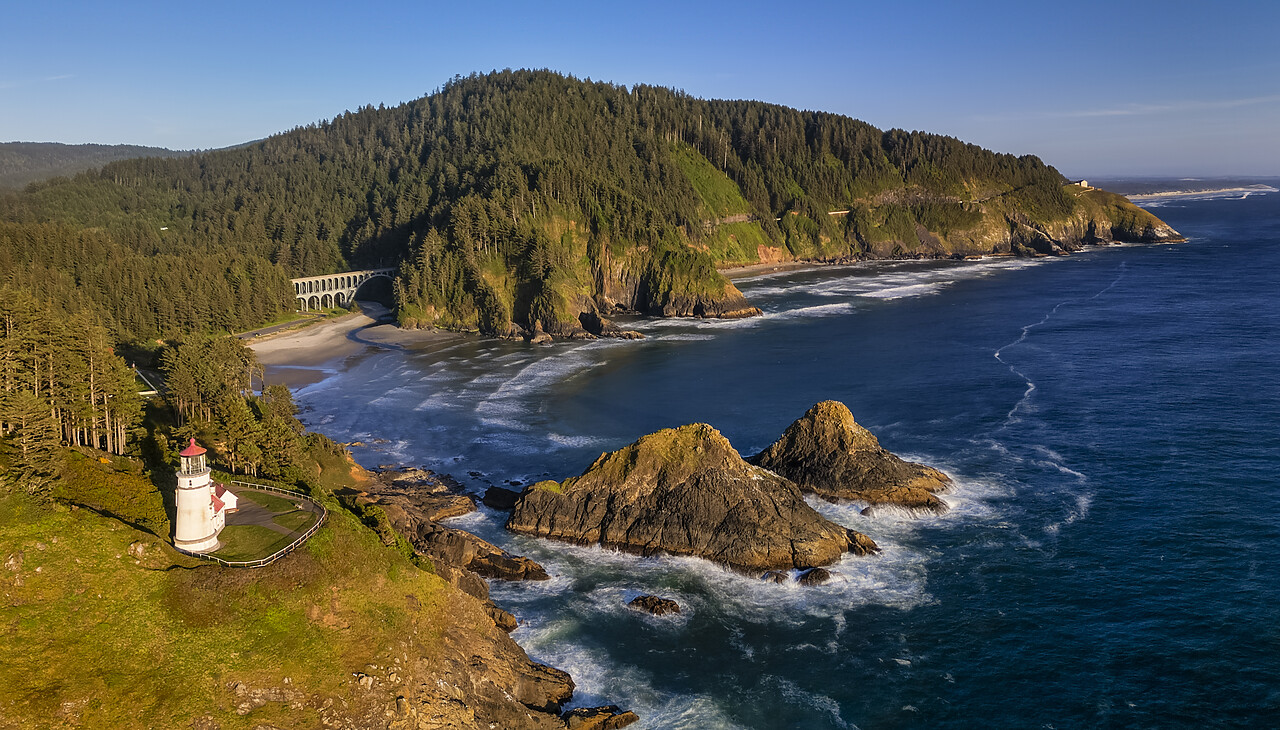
x,y
26,162
533,198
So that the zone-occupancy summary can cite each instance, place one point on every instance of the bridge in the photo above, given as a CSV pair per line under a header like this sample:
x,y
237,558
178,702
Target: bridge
x,y
333,290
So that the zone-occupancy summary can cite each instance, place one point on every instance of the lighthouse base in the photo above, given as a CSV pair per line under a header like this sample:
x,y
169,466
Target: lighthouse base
x,y
203,545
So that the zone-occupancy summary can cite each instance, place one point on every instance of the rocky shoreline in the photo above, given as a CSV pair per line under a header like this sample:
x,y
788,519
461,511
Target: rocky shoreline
x,y
491,680
681,491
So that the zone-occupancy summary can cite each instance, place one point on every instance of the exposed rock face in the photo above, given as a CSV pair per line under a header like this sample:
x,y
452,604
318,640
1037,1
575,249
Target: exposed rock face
x,y
410,495
686,491
609,717
500,498
826,452
480,680
815,577
414,500
654,605
602,327
461,548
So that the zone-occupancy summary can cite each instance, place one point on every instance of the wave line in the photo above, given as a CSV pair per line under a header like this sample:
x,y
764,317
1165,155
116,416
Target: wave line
x,y
1012,416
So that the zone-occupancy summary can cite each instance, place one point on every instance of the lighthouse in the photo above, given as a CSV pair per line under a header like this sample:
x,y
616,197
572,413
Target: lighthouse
x,y
202,505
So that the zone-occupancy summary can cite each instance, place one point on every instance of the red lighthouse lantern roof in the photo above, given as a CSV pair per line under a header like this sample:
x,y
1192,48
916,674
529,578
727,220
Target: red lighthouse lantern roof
x,y
192,449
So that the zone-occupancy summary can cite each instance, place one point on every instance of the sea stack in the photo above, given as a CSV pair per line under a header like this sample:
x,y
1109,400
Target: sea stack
x,y
686,491
827,453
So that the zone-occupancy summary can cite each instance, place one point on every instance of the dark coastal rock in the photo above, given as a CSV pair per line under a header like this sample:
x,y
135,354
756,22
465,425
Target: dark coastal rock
x,y
654,605
502,619
774,576
826,452
728,307
410,495
599,326
472,677
462,579
564,330
461,548
500,498
860,544
815,577
685,491
544,688
609,717
509,331
414,500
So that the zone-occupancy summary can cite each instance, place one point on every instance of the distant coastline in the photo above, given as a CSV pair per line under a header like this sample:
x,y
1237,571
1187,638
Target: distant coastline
x,y
1212,191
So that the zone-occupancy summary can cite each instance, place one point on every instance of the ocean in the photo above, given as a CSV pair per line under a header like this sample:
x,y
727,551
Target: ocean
x,y
1111,420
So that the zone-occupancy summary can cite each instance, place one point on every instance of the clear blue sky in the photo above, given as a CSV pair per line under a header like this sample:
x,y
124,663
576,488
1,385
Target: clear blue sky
x,y
1095,88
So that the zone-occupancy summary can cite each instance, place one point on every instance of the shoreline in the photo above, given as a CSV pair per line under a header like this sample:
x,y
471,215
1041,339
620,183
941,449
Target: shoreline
x,y
1189,193
750,270
302,356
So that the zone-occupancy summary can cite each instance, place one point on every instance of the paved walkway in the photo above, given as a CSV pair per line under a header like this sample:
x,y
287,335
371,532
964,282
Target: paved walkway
x,y
252,513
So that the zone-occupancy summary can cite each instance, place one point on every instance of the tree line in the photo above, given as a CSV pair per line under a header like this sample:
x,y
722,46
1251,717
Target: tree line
x,y
61,383
211,387
506,194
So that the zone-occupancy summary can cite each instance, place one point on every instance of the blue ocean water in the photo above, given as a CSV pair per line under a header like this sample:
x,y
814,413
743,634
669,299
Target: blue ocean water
x,y
1110,419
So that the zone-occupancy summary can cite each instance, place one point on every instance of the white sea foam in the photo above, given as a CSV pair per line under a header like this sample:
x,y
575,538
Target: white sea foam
x,y
817,310
768,291
574,442
598,683
1078,510
503,405
794,694
902,292
1172,200
686,337
659,324
440,400
896,578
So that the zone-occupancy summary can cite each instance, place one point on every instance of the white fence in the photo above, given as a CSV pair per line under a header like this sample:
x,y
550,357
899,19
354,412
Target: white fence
x,y
260,562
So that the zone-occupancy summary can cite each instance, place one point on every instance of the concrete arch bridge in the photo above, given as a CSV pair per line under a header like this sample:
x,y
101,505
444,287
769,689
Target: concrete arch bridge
x,y
333,290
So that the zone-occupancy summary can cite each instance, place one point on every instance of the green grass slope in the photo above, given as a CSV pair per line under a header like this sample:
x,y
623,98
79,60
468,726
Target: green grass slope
x,y
106,626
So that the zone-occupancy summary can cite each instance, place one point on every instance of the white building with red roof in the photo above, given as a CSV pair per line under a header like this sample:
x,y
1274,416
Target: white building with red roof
x,y
202,505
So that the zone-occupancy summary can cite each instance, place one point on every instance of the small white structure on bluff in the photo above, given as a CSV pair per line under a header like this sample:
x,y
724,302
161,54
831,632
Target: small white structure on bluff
x,y
202,505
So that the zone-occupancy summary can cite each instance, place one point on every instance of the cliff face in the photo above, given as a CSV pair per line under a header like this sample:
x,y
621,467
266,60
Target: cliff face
x,y
686,491
521,200
1000,226
826,452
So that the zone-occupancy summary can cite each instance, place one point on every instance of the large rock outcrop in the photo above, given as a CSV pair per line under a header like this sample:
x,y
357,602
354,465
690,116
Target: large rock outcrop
x,y
686,491
826,452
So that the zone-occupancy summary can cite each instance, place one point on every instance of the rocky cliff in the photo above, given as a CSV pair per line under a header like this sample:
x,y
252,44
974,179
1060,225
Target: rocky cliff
x,y
686,491
518,201
826,452
345,632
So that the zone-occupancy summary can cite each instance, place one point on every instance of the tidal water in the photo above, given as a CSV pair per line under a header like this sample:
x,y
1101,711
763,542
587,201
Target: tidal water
x,y
1112,422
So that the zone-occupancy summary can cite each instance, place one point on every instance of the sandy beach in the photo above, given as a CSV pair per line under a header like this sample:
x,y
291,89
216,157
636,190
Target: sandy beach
x,y
309,354
744,272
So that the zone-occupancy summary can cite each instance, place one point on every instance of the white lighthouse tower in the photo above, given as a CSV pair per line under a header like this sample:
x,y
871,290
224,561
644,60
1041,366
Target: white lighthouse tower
x,y
202,506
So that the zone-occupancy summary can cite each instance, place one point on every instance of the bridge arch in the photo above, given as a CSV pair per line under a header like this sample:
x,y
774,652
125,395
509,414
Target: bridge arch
x,y
329,290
